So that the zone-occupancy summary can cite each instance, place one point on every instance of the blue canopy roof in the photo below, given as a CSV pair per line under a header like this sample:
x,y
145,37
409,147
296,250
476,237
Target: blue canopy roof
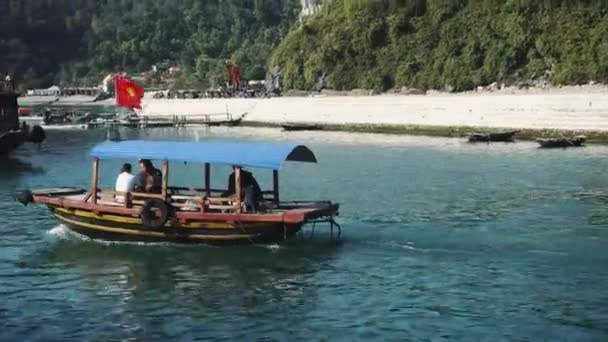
x,y
249,154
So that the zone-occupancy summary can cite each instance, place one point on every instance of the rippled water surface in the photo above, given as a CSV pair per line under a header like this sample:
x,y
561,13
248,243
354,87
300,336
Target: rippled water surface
x,y
442,241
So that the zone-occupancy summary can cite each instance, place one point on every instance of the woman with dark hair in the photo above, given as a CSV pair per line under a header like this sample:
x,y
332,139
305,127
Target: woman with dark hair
x,y
149,178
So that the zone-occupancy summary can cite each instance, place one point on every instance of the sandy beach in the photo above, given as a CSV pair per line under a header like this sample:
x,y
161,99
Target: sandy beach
x,y
573,108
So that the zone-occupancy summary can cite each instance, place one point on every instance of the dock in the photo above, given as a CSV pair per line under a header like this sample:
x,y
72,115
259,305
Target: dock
x,y
150,121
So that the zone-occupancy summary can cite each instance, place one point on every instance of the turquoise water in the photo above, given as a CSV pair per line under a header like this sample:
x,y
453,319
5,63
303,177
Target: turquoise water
x,y
442,241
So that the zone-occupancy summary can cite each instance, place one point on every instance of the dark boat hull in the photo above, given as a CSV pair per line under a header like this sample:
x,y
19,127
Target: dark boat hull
x,y
11,134
119,228
492,137
301,127
230,123
561,143
10,141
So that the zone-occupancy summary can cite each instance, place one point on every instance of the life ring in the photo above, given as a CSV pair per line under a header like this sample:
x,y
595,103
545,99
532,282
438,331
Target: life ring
x,y
148,216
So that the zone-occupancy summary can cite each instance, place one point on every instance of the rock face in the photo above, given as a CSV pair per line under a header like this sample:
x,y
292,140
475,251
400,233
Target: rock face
x,y
309,7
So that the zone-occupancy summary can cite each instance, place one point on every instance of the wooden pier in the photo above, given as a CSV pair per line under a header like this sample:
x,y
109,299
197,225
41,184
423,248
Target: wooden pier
x,y
149,121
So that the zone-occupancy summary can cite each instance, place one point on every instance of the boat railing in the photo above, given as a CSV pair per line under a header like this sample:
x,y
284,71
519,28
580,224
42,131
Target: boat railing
x,y
195,200
268,194
201,203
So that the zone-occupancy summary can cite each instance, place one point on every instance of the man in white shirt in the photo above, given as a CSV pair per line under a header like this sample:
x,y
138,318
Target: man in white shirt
x,y
124,182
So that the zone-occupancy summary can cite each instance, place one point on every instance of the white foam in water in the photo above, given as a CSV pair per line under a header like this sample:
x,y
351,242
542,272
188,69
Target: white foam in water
x,y
272,247
62,232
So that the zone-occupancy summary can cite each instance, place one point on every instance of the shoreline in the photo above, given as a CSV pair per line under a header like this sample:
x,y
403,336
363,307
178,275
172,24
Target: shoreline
x,y
564,112
526,134
535,112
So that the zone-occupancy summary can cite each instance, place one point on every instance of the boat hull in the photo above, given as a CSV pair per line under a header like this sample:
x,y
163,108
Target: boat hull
x,y
301,127
10,141
492,137
561,143
122,228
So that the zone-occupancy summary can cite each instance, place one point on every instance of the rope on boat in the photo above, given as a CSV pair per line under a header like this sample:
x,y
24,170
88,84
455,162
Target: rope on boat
x,y
239,223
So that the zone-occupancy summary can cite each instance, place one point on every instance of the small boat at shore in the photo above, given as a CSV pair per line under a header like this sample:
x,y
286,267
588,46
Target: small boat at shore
x,y
577,141
187,214
230,121
301,127
492,137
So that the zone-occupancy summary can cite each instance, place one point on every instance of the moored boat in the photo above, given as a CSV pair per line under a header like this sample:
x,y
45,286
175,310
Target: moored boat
x,y
12,133
229,121
577,141
186,214
301,127
492,137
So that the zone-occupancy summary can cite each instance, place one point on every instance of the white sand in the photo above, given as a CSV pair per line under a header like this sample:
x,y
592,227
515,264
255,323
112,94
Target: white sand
x,y
571,110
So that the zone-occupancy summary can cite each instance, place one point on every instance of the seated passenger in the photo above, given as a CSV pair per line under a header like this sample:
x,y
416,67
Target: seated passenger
x,y
124,182
149,179
251,192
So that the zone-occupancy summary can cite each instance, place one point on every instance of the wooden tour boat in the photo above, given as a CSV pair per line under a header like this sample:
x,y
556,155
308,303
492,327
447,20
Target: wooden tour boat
x,y
492,137
180,214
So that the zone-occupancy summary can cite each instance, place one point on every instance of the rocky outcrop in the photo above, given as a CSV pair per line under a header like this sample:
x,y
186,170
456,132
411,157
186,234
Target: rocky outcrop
x,y
309,7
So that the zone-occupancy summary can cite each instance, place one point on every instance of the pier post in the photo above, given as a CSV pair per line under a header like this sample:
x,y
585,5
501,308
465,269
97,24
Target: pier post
x,y
237,188
94,180
275,185
165,185
207,179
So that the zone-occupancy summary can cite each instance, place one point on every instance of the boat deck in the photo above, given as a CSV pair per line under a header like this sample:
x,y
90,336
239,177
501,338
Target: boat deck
x,y
188,207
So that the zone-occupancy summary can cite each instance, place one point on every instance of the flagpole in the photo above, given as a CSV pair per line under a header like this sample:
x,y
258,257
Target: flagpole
x,y
116,88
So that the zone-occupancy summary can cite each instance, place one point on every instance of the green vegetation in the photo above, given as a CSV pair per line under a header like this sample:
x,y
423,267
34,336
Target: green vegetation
x,y
373,44
37,36
80,41
447,44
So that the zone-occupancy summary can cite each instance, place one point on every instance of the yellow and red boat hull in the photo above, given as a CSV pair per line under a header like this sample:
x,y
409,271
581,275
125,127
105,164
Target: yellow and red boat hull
x,y
124,228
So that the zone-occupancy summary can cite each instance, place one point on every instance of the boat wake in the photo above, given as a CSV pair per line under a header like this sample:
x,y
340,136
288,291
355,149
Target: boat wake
x,y
63,233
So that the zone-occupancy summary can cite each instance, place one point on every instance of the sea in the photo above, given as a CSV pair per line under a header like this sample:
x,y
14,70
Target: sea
x,y
442,240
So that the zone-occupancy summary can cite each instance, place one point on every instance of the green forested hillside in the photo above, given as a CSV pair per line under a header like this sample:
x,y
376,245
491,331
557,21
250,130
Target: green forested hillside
x,y
80,41
447,44
373,44
37,36
198,35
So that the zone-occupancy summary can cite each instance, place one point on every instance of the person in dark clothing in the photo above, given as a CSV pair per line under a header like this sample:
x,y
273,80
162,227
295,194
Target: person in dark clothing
x,y
251,192
149,179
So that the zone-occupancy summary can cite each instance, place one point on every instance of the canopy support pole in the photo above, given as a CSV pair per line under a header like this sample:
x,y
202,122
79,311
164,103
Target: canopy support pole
x,y
275,185
237,188
94,180
207,179
165,185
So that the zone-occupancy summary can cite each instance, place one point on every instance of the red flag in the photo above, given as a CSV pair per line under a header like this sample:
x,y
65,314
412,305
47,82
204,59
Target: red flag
x,y
128,93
